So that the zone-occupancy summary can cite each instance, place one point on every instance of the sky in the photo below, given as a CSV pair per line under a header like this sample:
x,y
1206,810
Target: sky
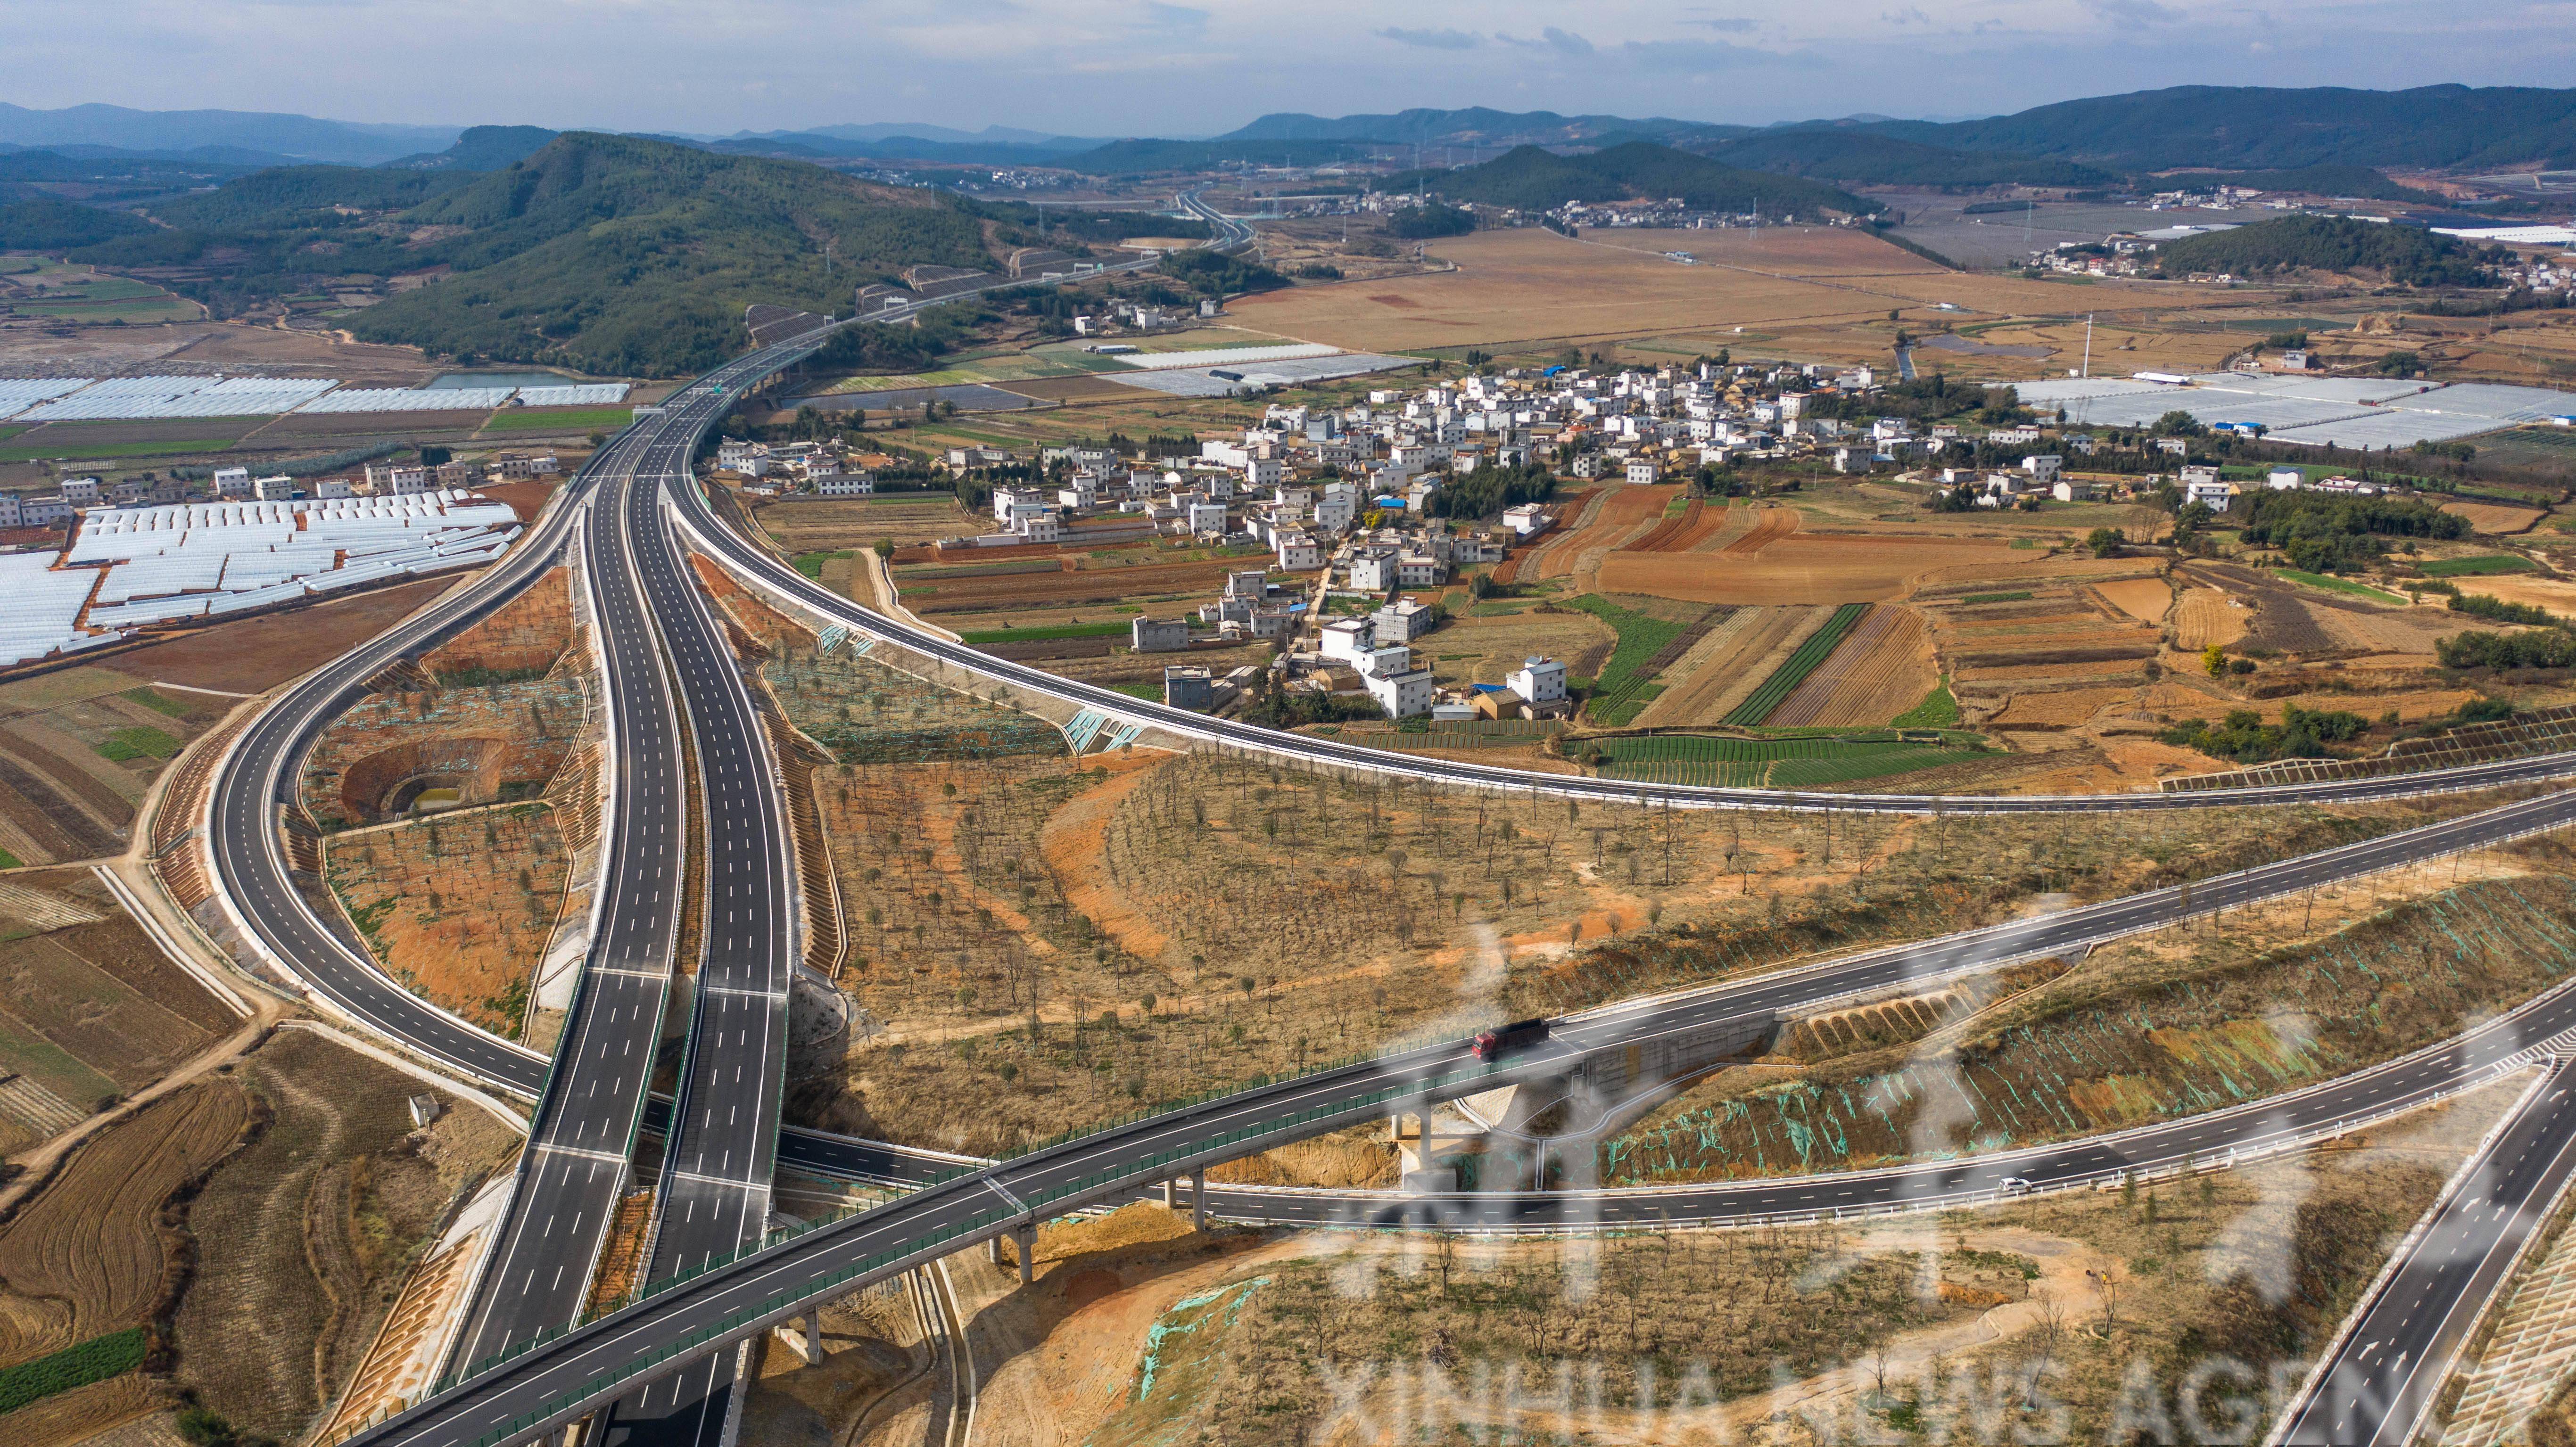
x,y
1151,67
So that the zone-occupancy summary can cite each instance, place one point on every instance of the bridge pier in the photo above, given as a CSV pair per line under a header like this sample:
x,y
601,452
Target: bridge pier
x,y
1025,1237
1198,1200
807,1343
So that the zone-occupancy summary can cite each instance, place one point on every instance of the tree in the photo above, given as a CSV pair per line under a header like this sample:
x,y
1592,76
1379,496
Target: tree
x,y
2106,542
2179,423
884,547
2213,660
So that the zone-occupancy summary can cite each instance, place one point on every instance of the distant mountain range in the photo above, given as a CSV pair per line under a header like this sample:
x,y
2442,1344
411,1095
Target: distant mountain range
x,y
2081,142
302,138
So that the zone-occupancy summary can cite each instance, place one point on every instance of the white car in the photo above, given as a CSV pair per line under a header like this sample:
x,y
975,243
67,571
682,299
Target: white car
x,y
2013,1186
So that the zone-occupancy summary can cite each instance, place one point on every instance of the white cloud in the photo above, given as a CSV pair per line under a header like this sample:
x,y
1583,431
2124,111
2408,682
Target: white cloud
x,y
1432,39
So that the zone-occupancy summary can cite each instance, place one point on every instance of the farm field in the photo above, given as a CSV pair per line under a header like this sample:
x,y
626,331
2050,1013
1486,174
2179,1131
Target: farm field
x,y
303,1235
2495,519
1732,660
90,1009
1882,670
86,1255
1793,670
1810,292
255,654
78,748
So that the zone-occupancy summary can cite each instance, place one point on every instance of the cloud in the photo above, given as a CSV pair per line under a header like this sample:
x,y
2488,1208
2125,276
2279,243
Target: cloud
x,y
1432,39
2132,14
1563,42
1175,19
1729,24
1698,57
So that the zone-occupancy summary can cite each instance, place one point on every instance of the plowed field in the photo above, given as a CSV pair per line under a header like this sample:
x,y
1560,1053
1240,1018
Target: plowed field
x,y
2208,615
86,1255
1570,510
1804,568
935,594
2144,599
1731,662
2495,519
1882,670
1623,512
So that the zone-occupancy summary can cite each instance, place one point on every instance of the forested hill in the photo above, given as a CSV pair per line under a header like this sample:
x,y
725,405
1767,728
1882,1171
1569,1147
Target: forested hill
x,y
1865,158
2404,254
608,254
2261,128
1533,179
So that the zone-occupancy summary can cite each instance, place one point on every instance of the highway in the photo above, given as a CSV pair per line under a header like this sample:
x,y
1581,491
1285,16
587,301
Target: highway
x,y
682,1318
576,1165
713,1188
584,1097
2397,1348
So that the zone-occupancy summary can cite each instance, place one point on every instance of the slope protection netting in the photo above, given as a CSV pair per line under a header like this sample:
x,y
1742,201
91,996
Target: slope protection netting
x,y
2377,989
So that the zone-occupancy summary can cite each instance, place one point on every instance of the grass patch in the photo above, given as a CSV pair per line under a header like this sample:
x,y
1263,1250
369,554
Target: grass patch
x,y
11,861
2333,584
559,419
2479,567
1796,763
1938,710
1150,692
95,1360
1620,689
1041,635
1794,671
158,702
116,449
811,564
139,742
2018,597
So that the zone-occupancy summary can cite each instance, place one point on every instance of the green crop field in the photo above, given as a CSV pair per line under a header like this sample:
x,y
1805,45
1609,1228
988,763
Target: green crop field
x,y
1996,597
1623,686
559,419
1938,710
139,742
1785,763
2479,567
2333,584
96,451
1810,655
1041,635
95,1360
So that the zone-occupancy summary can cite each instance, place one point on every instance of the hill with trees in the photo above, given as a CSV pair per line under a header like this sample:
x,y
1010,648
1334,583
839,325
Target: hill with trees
x,y
2264,128
2406,255
602,253
1864,158
1532,179
42,223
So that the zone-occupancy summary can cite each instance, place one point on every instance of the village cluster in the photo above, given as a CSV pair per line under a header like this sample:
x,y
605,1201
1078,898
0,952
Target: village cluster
x,y
1365,507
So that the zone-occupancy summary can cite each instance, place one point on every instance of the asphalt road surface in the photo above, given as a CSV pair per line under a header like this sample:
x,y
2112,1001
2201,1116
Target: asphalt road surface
x,y
682,1320
713,1189
2398,1349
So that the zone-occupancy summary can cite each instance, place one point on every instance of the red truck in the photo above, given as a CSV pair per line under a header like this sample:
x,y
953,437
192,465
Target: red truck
x,y
1492,1045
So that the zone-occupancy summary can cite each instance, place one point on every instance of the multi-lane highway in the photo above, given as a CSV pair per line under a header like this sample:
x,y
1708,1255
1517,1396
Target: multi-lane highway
x,y
576,1165
716,1151
2398,1347
569,1376
712,1196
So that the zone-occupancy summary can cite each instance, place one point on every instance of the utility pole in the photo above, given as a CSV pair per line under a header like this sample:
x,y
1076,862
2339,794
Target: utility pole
x,y
2088,344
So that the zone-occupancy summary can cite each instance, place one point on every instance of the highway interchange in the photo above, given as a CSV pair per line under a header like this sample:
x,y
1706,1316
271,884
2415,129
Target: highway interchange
x,y
592,1097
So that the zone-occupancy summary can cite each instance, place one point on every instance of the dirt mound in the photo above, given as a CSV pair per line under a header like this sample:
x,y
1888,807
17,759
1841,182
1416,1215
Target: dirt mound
x,y
521,640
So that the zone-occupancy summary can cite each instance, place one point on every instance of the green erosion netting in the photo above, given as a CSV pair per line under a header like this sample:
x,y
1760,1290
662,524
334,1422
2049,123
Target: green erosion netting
x,y
2383,986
